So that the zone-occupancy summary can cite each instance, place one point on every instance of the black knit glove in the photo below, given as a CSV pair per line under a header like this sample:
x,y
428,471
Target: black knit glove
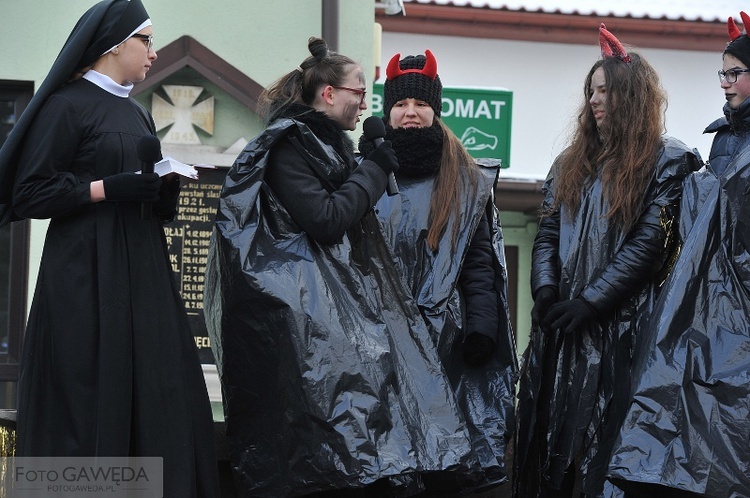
x,y
478,349
169,193
545,298
385,157
132,187
570,315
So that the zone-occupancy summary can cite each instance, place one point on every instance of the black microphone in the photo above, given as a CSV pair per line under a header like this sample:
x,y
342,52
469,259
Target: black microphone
x,y
374,131
149,152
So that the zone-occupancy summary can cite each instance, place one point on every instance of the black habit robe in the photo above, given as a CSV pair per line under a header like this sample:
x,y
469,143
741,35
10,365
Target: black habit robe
x,y
109,364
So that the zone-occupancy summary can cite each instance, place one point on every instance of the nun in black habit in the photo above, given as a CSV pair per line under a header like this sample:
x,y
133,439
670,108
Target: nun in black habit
x,y
109,365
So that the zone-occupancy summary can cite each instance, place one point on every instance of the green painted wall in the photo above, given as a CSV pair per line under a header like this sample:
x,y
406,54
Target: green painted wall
x,y
262,39
518,231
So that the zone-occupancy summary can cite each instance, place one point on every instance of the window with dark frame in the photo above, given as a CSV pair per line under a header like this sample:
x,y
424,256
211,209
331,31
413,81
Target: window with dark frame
x,y
14,256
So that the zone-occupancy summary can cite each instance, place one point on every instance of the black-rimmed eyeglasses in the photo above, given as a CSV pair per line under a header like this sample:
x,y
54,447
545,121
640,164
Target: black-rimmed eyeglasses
x,y
148,39
731,75
362,93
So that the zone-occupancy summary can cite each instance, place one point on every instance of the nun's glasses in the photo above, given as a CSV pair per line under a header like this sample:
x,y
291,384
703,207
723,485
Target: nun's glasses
x,y
731,74
148,39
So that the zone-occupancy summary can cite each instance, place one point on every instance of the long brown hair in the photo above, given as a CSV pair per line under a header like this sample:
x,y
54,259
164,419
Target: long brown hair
x,y
627,150
446,202
301,84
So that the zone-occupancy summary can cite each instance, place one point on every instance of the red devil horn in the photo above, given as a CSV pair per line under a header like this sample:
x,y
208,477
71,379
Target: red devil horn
x,y
603,42
430,65
745,21
611,46
734,31
393,70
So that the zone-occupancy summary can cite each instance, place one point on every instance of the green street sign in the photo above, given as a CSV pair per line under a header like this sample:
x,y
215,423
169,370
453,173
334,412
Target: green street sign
x,y
480,117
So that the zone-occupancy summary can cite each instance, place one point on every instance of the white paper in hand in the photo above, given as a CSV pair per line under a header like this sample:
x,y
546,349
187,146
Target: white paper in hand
x,y
172,165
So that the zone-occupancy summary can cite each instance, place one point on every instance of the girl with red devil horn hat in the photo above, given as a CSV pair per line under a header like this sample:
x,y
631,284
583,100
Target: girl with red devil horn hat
x,y
447,240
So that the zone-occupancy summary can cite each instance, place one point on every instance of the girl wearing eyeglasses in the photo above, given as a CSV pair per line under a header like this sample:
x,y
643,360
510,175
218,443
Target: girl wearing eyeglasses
x,y
332,384
693,395
109,367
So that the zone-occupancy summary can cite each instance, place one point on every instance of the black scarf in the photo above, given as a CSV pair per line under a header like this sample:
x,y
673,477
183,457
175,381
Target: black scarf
x,y
739,119
326,129
419,150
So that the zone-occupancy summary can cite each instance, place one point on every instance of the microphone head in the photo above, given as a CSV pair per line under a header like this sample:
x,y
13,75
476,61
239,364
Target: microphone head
x,y
149,149
373,128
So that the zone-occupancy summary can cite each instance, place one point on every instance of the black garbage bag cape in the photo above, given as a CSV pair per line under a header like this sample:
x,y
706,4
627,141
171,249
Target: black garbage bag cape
x,y
571,414
688,426
486,395
330,377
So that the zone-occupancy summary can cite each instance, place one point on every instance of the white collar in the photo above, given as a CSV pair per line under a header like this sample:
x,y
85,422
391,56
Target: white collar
x,y
108,84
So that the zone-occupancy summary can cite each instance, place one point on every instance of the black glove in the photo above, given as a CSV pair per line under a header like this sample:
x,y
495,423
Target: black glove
x,y
570,315
545,298
385,157
169,193
478,349
132,187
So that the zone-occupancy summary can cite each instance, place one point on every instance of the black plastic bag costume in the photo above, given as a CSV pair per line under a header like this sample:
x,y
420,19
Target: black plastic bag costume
x,y
688,427
485,394
330,377
585,387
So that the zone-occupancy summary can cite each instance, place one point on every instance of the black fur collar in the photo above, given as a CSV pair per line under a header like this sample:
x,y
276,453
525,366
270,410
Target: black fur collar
x,y
326,129
739,118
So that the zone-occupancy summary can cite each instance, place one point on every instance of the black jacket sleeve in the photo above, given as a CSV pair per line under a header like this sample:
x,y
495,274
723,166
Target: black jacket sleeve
x,y
323,214
477,284
644,250
545,258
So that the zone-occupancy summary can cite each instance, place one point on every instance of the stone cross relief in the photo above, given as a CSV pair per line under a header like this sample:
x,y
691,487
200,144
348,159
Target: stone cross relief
x,y
182,114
